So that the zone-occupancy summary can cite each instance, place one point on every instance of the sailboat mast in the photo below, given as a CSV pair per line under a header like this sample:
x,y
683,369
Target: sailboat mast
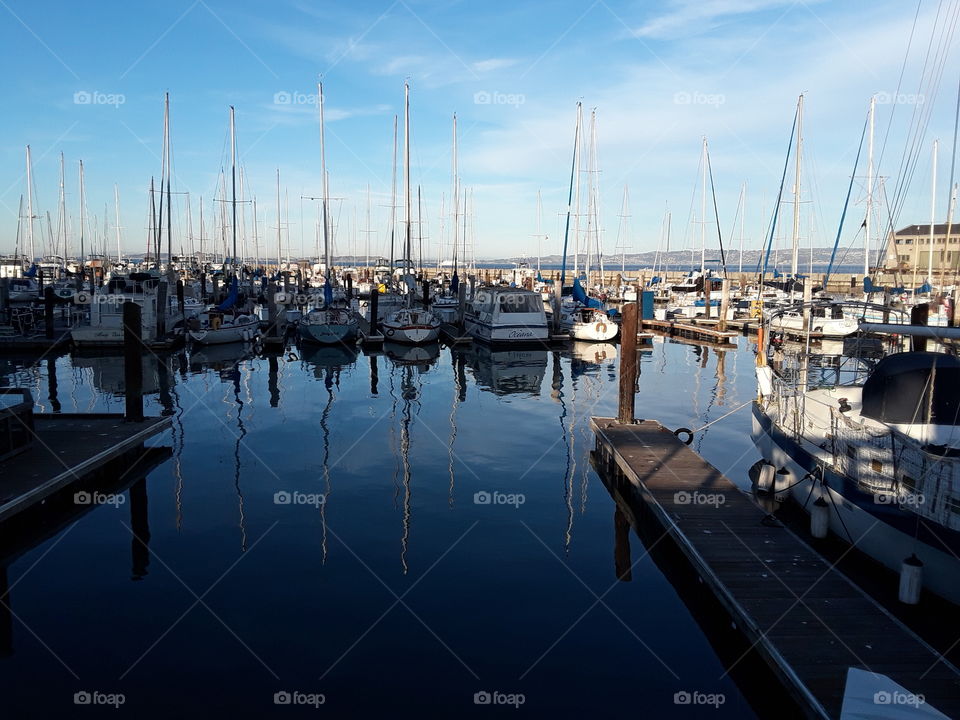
x,y
33,250
933,211
233,189
743,212
166,144
456,195
796,191
83,216
866,232
393,194
323,172
539,230
576,201
279,241
62,219
116,207
368,225
703,209
406,170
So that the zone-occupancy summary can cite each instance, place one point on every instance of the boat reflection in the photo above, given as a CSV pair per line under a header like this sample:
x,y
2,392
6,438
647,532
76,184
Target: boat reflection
x,y
327,357
421,356
507,372
218,357
107,373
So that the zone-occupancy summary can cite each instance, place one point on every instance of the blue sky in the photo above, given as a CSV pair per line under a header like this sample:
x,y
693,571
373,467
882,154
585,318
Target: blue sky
x,y
660,74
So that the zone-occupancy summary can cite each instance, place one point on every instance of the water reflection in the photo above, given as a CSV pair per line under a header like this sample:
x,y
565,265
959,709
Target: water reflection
x,y
507,372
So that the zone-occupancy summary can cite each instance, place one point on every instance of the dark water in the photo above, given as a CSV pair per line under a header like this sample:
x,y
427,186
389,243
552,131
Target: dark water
x,y
401,592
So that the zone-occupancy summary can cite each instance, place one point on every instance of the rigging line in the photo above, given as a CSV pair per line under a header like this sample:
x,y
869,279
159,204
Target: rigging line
x,y
903,70
776,205
716,214
846,202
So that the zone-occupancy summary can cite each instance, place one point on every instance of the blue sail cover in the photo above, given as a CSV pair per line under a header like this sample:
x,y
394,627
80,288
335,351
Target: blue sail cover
x,y
32,272
454,283
869,288
654,281
540,278
581,297
327,292
231,297
923,289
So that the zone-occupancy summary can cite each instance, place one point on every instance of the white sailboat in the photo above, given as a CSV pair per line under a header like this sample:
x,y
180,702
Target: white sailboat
x,y
225,323
409,325
327,324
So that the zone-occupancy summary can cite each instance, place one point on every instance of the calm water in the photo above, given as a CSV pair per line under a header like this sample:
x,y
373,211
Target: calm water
x,y
384,582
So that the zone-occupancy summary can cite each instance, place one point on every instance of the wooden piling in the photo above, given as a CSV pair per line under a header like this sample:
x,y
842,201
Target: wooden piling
x,y
628,363
374,308
918,316
707,282
48,298
132,368
461,305
724,304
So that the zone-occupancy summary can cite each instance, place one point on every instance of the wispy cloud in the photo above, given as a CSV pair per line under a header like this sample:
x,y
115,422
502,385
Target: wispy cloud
x,y
689,17
494,64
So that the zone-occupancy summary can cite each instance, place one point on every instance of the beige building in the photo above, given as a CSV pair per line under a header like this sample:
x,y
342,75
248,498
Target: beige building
x,y
910,249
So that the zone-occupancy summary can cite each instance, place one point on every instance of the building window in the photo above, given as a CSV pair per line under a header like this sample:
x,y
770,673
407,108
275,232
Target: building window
x,y
908,241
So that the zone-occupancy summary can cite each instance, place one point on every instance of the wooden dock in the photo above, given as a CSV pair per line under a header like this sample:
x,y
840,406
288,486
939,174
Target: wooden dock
x,y
806,619
453,336
67,448
674,328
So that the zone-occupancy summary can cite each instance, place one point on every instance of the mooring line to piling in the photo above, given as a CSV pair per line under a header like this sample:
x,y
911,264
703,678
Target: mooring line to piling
x,y
704,427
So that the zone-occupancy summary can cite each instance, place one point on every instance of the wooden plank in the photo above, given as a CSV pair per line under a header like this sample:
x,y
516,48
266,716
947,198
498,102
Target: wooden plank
x,y
807,620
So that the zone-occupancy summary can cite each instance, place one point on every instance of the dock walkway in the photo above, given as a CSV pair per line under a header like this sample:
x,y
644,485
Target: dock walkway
x,y
65,449
806,619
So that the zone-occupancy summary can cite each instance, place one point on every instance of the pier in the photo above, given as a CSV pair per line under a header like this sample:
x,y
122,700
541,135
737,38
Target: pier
x,y
65,450
806,619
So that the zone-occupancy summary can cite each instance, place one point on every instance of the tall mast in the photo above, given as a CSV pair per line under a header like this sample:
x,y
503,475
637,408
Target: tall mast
x,y
539,230
202,258
456,196
866,226
796,191
576,201
743,212
33,249
323,172
233,188
151,240
279,219
406,170
703,209
368,225
62,219
83,216
933,212
166,144
116,208
256,247
393,193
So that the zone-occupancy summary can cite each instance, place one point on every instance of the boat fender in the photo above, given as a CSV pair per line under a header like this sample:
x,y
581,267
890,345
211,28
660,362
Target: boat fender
x,y
911,580
687,431
819,518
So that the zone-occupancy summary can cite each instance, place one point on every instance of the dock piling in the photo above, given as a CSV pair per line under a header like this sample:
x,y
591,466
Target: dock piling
x,y
628,364
374,308
48,311
132,367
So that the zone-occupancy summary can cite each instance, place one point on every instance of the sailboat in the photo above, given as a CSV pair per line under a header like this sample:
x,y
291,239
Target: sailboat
x,y
409,325
224,323
327,324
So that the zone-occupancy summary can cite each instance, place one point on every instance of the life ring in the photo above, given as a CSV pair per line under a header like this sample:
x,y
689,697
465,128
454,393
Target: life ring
x,y
688,432
215,321
601,327
390,332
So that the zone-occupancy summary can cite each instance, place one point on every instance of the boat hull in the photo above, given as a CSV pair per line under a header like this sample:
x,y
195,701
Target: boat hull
x,y
883,531
226,334
328,333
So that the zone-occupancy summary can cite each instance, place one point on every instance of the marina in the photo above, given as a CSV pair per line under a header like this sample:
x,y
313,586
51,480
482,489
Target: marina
x,y
441,360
